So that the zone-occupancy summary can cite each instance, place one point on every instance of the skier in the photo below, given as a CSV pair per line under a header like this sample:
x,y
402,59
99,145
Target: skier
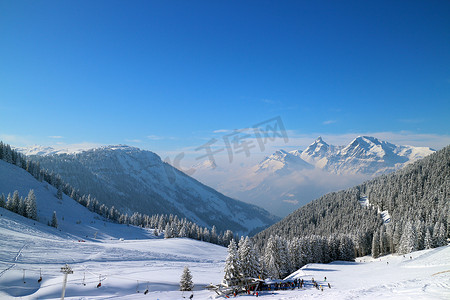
x,y
325,278
329,286
191,296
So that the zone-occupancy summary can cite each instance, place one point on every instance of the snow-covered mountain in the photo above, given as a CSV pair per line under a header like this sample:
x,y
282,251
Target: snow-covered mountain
x,y
46,150
364,155
136,180
318,152
283,162
284,181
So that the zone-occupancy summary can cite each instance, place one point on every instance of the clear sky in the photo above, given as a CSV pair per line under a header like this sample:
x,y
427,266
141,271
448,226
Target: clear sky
x,y
166,75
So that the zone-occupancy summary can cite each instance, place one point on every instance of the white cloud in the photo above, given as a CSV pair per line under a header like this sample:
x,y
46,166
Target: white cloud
x,y
55,137
328,122
133,141
221,131
158,137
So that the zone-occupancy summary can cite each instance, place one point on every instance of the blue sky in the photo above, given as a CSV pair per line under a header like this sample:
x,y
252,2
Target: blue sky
x,y
164,75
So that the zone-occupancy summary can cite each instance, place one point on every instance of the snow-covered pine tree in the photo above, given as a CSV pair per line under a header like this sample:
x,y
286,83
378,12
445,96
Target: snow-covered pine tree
x,y
232,264
376,244
346,249
9,202
440,237
408,241
384,243
420,233
54,222
294,253
186,283
272,258
249,259
168,232
2,200
214,236
59,192
428,240
285,261
21,210
31,209
14,203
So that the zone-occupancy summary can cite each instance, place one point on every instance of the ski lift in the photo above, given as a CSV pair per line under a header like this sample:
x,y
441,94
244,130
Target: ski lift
x,y
40,275
99,281
137,287
146,290
84,278
24,276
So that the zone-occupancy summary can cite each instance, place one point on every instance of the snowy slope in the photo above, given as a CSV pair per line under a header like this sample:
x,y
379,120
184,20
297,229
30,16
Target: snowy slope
x,y
121,255
73,218
136,180
123,266
128,266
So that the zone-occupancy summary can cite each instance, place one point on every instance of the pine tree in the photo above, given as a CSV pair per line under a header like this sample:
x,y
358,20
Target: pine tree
x,y
428,241
272,258
408,241
346,249
15,202
31,208
2,199
232,264
384,244
168,231
249,259
440,236
22,209
59,192
376,244
54,222
284,260
9,202
186,283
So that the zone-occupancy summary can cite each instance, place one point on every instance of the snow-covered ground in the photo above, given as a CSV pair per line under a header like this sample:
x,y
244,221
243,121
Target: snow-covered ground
x,y
128,266
123,266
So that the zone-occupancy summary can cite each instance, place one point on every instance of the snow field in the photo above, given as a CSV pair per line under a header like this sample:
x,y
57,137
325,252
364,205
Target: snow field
x,y
119,265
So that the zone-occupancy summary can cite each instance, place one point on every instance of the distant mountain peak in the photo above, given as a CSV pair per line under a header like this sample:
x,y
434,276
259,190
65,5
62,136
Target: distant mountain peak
x,y
319,140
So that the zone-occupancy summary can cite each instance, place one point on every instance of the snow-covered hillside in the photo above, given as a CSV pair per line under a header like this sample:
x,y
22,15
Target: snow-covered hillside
x,y
126,268
136,180
420,275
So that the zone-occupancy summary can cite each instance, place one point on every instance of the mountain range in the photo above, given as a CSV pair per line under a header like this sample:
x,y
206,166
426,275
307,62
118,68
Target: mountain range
x,y
286,180
135,180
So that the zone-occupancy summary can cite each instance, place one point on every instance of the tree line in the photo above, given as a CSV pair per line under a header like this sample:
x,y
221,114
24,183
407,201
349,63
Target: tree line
x,y
280,256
